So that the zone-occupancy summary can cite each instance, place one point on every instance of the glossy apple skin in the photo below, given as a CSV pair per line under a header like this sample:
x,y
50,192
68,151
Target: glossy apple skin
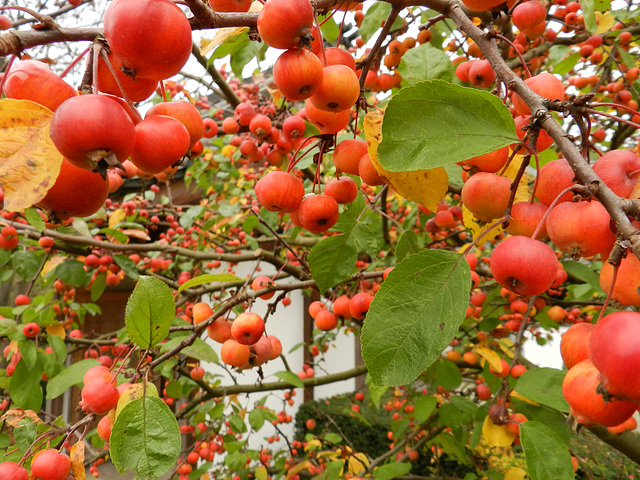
x,y
279,191
347,155
523,265
318,213
185,113
86,124
574,345
618,169
544,84
153,36
297,74
486,195
137,89
247,328
160,141
525,218
625,289
553,178
35,81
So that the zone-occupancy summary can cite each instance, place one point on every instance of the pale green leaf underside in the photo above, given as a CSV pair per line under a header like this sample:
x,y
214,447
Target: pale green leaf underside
x,y
414,315
434,123
145,438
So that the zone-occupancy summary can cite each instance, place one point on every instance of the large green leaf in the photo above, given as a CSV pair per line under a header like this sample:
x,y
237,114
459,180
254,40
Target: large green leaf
x,y
72,272
333,260
588,10
391,470
425,63
434,123
376,15
543,385
414,315
26,263
547,456
145,438
24,388
70,376
149,313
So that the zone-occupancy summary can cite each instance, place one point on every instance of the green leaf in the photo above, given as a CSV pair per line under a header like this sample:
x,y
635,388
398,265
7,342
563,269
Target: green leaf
x,y
35,219
582,272
414,315
376,14
256,418
58,346
407,244
424,407
448,375
208,278
365,239
552,418
29,353
333,260
149,313
98,286
425,63
145,438
566,65
24,387
67,378
432,124
190,216
543,385
127,265
26,263
72,272
588,10
291,378
244,55
174,389
547,457
200,350
391,470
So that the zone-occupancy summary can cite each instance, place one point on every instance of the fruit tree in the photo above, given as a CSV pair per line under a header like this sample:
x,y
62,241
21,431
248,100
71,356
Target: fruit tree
x,y
446,182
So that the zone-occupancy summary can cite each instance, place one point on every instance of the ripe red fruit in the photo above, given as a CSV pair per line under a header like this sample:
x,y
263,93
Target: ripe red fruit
x,y
574,345
503,372
486,195
528,14
279,191
104,428
490,162
480,5
286,23
297,74
35,81
230,5
327,122
260,125
136,89
523,265
544,84
580,228
22,300
5,22
525,218
339,90
210,128
293,126
481,74
359,305
326,320
261,282
50,465
579,388
153,36
88,128
343,190
13,471
201,312
625,289
368,172
619,170
247,328
99,396
263,349
318,213
543,142
77,192
220,330
98,371
483,392
160,141
615,351
197,373
338,56
553,178
234,353
347,155
341,306
185,113
310,424
31,330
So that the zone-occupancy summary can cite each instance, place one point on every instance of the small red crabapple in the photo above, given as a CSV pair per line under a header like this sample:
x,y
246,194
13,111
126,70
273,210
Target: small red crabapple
x,y
31,330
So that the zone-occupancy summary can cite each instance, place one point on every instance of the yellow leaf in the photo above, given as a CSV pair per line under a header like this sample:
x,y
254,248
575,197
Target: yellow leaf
x,y
522,194
506,345
426,187
515,473
29,161
57,331
478,227
77,460
50,264
605,21
312,445
515,394
357,463
223,34
136,233
490,356
260,473
116,217
298,468
496,435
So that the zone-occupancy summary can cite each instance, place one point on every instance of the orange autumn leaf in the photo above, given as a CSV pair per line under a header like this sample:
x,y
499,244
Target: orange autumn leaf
x,y
77,460
29,161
